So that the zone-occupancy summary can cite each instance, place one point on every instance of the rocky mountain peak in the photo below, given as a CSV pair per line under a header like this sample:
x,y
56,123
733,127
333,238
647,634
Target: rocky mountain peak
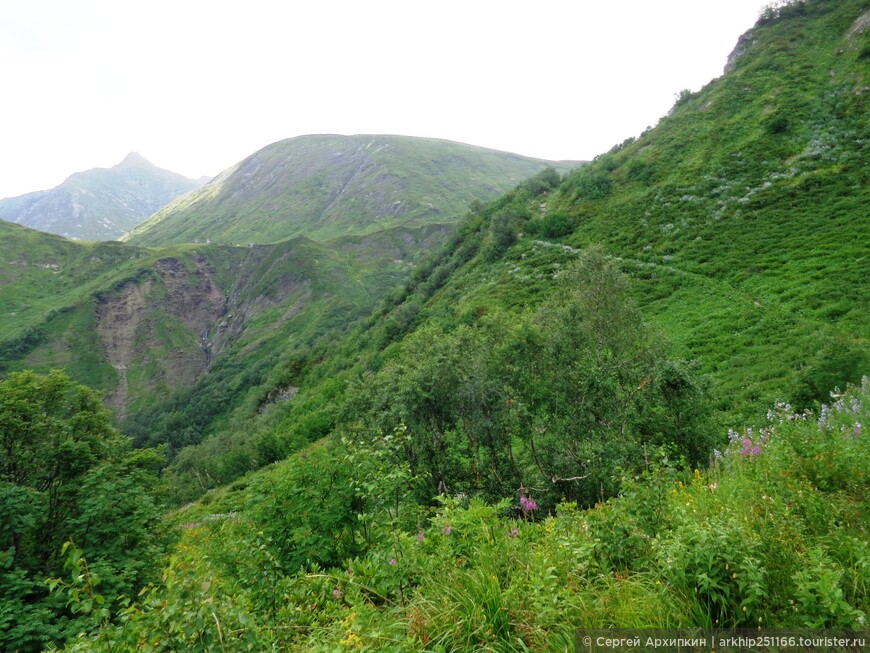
x,y
135,160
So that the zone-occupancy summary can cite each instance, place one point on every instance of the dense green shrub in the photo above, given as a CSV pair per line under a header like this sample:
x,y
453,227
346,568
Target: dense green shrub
x,y
556,399
65,473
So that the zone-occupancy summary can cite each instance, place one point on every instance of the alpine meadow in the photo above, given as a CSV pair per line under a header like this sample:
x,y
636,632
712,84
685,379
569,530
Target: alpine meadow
x,y
387,393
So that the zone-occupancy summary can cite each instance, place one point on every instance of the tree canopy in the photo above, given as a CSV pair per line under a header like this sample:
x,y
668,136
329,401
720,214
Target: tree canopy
x,y
555,400
66,475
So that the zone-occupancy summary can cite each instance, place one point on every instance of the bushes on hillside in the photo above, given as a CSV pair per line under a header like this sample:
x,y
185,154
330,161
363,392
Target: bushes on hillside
x,y
556,400
773,533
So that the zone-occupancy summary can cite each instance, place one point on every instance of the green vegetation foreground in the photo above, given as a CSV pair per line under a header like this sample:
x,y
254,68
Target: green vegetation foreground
x,y
774,533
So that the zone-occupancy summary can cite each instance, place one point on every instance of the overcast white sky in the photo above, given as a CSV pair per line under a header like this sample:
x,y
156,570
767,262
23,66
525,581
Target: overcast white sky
x,y
195,86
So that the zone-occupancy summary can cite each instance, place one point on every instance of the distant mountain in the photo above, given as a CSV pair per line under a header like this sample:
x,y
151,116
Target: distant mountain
x,y
99,204
323,186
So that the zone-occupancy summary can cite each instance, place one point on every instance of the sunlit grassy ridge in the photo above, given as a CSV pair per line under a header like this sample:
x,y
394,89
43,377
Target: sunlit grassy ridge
x,y
324,186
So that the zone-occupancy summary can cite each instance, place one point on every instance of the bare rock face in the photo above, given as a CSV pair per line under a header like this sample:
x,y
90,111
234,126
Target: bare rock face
x,y
743,44
161,323
861,25
192,295
120,320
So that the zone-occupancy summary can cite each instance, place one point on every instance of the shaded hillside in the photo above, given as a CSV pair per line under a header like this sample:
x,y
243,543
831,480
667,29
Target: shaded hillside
x,y
327,186
99,204
141,324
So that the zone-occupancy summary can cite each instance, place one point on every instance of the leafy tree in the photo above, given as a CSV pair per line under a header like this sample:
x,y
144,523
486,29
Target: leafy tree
x,y
594,389
52,432
555,400
556,224
590,182
65,473
541,183
310,510
835,365
503,235
782,9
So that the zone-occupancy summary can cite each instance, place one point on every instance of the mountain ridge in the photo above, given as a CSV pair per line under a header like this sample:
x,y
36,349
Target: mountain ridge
x,y
100,203
328,185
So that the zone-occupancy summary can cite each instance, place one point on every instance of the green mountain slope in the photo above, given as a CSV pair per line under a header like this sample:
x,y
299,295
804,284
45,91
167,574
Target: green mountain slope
x,y
99,204
326,186
742,217
141,324
754,188
745,240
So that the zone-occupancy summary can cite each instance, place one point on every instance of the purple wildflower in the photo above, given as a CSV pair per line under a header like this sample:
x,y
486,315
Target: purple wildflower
x,y
447,529
336,593
514,532
527,505
823,418
392,561
747,446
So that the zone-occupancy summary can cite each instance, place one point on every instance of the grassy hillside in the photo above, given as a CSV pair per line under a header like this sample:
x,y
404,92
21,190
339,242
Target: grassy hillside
x,y
327,186
741,218
756,187
42,273
143,323
99,204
